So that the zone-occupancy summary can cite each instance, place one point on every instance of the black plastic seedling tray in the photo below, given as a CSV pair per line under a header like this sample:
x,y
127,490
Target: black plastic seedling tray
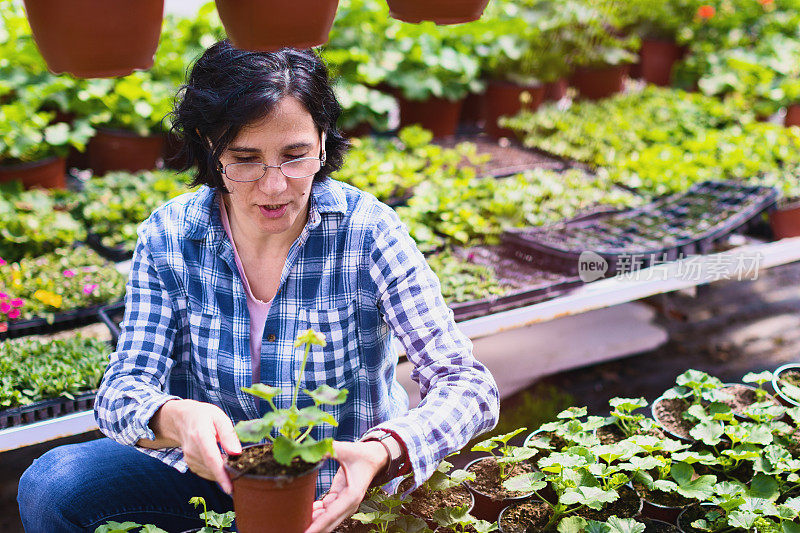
x,y
116,254
527,285
667,229
46,409
39,326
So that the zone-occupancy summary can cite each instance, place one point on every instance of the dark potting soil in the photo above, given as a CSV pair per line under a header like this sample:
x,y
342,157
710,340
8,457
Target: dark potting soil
x,y
669,413
657,526
743,396
258,460
510,272
744,472
658,497
487,477
612,434
425,502
353,526
627,505
529,516
691,514
556,441
508,158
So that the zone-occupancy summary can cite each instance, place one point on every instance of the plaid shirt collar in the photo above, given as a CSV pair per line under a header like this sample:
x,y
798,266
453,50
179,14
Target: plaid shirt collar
x,y
204,220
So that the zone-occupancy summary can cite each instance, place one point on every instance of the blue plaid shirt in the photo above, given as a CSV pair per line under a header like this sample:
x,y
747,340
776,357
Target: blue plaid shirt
x,y
354,274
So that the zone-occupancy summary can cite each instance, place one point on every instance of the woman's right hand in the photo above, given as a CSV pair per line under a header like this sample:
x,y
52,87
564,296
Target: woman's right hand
x,y
197,427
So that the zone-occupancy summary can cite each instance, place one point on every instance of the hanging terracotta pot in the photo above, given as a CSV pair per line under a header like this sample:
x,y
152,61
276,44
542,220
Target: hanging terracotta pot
x,y
268,25
792,116
556,90
595,83
113,149
505,99
785,221
657,59
438,115
439,11
50,173
91,39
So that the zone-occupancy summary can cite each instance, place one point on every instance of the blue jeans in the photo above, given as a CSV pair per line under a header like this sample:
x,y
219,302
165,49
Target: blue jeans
x,y
77,487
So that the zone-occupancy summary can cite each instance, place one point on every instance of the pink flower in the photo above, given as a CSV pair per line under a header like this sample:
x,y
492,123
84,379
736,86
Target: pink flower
x,y
3,296
89,288
5,307
2,261
69,273
17,302
3,327
13,314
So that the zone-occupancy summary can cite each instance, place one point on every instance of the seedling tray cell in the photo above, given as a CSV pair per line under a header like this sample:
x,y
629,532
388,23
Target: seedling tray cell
x,y
664,230
46,410
62,321
115,254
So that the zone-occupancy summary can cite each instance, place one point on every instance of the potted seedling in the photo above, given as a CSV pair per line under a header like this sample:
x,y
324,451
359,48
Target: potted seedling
x,y
742,396
381,512
445,488
88,42
571,429
669,487
624,422
459,520
786,382
697,397
274,483
298,24
490,472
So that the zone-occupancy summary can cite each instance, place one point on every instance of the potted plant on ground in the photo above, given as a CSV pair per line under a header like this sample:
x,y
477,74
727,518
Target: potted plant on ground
x,y
79,38
445,488
269,25
274,483
129,114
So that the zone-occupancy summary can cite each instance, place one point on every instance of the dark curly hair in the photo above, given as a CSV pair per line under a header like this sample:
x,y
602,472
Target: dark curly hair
x,y
229,88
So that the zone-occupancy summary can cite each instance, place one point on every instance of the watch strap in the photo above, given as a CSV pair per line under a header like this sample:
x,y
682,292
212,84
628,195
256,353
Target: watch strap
x,y
395,449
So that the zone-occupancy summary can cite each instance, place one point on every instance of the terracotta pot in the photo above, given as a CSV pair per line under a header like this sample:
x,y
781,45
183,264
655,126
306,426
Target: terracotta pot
x,y
269,25
792,117
658,57
556,90
503,99
440,12
789,402
785,221
267,504
123,150
486,508
91,39
602,82
438,115
473,111
49,173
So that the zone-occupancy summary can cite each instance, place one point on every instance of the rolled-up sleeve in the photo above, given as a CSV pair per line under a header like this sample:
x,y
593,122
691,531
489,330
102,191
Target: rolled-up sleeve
x,y
459,395
133,386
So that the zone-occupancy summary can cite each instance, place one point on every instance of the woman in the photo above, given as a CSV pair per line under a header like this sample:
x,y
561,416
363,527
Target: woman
x,y
221,282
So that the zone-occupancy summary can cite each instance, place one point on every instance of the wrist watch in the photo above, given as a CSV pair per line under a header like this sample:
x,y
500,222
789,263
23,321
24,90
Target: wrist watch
x,y
397,458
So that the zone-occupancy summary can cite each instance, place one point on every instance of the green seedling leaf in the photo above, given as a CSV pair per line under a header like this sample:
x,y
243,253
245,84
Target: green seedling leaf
x,y
408,524
327,395
116,527
150,528
254,430
792,391
764,486
310,451
572,524
758,378
709,433
624,525
451,516
528,482
790,527
265,392
573,412
314,416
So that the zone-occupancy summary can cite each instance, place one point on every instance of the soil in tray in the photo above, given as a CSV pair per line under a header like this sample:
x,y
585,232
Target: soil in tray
x,y
658,497
258,460
425,502
627,505
508,158
487,477
528,516
612,434
657,526
743,396
353,526
510,272
669,413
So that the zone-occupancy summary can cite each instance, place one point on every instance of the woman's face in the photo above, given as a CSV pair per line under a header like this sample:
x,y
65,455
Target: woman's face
x,y
274,204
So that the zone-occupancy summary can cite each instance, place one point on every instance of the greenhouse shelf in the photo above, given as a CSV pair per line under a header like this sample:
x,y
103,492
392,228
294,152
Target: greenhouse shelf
x,y
663,278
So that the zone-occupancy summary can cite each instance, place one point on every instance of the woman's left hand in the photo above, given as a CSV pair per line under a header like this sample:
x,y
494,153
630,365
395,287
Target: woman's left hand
x,y
359,463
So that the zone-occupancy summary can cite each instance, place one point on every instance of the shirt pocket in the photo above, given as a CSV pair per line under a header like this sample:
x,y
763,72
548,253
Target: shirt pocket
x,y
337,362
204,333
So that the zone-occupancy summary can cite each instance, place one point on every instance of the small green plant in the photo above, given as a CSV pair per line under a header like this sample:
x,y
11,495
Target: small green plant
x,y
623,417
504,453
759,379
459,520
572,429
214,522
125,527
294,425
445,478
379,510
578,524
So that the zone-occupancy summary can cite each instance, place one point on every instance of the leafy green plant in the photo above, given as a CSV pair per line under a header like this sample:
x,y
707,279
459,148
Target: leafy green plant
x,y
214,522
35,222
363,105
657,19
572,429
379,510
125,527
65,279
461,280
33,369
294,425
459,520
504,453
113,206
759,378
623,417
578,524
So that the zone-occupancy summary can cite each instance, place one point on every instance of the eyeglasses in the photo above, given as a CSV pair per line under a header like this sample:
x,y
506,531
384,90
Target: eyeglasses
x,y
303,167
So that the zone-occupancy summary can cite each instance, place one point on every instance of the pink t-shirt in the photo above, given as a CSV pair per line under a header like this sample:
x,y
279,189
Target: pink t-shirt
x,y
258,309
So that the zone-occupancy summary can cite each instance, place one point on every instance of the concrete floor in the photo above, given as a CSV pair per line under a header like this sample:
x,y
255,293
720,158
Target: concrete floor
x,y
728,329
